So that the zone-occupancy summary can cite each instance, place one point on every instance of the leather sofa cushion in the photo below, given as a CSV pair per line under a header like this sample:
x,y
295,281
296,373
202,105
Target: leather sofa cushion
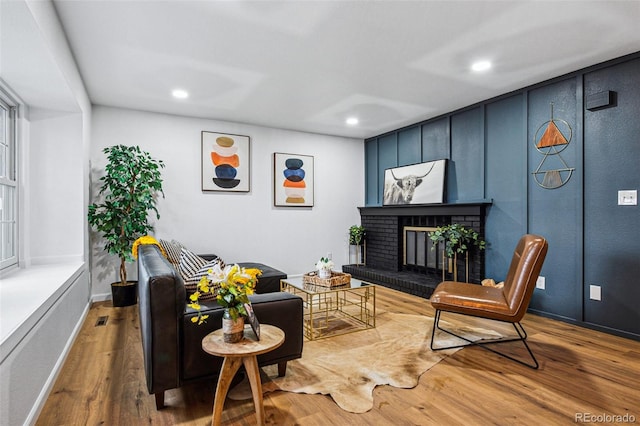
x,y
283,310
269,281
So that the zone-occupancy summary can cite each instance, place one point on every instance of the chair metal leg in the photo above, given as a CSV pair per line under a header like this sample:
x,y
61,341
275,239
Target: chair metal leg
x,y
522,336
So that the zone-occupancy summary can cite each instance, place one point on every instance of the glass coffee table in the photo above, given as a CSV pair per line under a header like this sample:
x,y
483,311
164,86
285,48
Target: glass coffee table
x,y
331,311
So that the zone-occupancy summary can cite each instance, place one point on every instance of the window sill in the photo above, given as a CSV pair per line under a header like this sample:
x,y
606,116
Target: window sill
x,y
27,294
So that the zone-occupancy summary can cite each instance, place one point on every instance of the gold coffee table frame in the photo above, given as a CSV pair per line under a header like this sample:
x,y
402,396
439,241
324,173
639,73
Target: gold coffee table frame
x,y
353,303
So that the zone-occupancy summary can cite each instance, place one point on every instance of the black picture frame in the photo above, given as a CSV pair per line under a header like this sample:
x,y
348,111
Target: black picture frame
x,y
225,162
253,320
423,183
293,180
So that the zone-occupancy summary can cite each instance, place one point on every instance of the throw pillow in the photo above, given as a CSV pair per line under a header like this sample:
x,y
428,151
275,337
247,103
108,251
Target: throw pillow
x,y
172,249
192,268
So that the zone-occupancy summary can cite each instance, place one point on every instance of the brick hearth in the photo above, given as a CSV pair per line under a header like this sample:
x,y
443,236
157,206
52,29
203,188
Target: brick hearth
x,y
384,234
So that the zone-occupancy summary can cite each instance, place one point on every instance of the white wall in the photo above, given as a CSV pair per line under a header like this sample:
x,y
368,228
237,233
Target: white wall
x,y
56,219
44,302
238,226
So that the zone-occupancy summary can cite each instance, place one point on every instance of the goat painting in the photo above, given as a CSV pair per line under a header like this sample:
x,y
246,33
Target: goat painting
x,y
416,184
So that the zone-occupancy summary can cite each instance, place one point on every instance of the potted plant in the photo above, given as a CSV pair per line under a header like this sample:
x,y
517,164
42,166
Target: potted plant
x,y
457,239
324,267
129,188
356,235
356,238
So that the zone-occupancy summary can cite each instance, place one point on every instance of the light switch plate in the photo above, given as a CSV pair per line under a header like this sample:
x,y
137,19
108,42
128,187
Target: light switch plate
x,y
540,283
595,292
628,197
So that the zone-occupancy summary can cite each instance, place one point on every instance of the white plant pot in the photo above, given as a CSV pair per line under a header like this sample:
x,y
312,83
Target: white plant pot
x,y
324,273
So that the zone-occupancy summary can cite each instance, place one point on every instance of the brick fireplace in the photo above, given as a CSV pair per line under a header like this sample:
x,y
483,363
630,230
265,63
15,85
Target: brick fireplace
x,y
399,254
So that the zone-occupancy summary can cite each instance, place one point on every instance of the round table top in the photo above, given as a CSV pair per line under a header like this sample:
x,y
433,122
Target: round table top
x,y
271,337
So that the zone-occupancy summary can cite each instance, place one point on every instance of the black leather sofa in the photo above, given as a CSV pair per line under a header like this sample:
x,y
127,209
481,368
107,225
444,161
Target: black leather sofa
x,y
172,344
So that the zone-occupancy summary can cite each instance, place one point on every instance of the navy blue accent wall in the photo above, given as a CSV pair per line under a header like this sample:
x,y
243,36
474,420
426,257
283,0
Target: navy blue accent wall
x,y
592,240
387,158
556,213
435,140
409,146
506,181
371,171
612,232
466,168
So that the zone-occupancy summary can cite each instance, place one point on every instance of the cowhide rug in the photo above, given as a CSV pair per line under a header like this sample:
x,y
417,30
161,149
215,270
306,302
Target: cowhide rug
x,y
350,366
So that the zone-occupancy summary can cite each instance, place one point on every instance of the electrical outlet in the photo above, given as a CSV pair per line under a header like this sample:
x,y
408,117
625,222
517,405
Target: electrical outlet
x,y
540,283
628,197
595,292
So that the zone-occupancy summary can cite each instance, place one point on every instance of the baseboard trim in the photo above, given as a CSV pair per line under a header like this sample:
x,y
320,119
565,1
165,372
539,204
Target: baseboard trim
x,y
100,297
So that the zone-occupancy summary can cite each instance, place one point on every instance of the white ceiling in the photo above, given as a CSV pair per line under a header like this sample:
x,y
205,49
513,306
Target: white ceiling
x,y
308,65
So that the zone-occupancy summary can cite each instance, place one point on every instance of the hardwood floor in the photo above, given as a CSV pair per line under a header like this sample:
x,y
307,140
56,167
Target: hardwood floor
x,y
581,371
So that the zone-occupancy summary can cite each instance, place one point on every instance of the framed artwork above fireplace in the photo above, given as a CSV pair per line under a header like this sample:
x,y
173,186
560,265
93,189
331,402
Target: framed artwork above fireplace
x,y
422,183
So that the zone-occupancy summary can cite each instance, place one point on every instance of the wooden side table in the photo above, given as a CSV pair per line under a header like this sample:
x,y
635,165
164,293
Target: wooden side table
x,y
244,353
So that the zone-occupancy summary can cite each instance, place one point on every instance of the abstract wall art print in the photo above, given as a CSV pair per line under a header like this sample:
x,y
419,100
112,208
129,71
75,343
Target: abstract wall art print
x,y
293,180
422,183
225,162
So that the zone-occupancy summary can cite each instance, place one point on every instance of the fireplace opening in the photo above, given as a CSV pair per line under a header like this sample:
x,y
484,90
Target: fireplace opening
x,y
420,254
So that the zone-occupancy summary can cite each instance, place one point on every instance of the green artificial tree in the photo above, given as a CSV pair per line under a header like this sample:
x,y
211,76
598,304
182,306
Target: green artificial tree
x,y
130,187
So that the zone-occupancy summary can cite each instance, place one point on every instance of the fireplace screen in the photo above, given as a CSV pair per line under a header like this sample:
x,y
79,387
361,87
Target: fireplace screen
x,y
418,250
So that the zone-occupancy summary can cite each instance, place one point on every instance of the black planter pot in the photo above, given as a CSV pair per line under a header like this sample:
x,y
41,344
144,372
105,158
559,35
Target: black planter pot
x,y
124,295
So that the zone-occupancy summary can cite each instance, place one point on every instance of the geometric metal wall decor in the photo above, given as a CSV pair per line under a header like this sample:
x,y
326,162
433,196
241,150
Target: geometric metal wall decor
x,y
550,144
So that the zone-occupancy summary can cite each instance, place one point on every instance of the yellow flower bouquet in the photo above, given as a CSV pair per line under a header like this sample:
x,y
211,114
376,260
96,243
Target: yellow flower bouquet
x,y
233,284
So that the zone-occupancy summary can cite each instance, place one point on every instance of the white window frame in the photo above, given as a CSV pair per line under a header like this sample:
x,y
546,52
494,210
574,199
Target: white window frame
x,y
9,241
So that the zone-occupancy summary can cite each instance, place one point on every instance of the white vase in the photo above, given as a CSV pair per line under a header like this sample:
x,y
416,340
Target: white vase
x,y
324,273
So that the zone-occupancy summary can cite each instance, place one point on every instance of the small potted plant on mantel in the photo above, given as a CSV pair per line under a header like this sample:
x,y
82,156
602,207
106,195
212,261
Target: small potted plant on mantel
x,y
130,187
457,239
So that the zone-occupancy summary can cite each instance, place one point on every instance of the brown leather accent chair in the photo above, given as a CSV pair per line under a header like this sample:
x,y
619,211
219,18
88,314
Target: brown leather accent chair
x,y
507,304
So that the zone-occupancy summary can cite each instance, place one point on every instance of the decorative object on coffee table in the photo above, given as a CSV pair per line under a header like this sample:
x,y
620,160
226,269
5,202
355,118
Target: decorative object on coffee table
x,y
335,279
324,267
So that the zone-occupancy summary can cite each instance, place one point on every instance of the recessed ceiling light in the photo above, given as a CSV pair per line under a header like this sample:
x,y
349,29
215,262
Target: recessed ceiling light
x,y
180,94
481,66
352,121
